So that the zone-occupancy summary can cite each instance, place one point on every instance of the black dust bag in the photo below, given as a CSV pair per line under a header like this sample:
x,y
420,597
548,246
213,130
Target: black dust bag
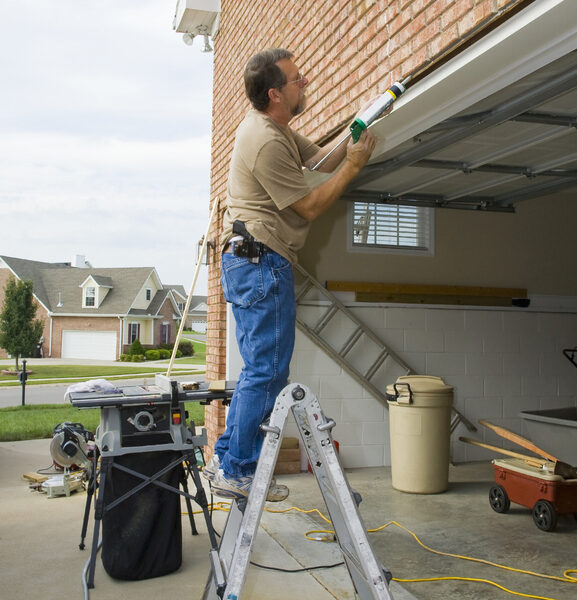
x,y
142,536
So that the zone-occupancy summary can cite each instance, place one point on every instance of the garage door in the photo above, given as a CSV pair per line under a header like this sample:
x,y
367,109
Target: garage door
x,y
100,345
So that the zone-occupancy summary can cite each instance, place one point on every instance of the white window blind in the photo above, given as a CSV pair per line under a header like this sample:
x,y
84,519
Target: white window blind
x,y
378,225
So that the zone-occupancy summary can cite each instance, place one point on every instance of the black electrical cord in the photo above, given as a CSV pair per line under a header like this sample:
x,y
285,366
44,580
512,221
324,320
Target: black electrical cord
x,y
302,570
51,470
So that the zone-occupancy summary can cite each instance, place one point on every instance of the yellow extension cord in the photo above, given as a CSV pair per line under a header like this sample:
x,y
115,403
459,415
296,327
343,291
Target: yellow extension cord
x,y
567,578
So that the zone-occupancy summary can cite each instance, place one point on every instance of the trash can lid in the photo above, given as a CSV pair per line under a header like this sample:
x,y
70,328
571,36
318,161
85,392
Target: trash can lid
x,y
425,383
421,384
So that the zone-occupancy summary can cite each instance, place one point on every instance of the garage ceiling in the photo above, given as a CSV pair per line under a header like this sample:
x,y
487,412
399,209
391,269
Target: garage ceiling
x,y
515,144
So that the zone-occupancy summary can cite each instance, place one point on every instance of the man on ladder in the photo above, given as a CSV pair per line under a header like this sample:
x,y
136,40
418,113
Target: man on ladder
x,y
268,214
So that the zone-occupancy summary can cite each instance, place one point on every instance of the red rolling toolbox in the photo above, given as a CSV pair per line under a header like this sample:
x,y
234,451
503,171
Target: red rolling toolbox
x,y
547,494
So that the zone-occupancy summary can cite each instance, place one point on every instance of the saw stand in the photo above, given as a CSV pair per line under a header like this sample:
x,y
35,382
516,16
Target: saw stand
x,y
144,419
229,564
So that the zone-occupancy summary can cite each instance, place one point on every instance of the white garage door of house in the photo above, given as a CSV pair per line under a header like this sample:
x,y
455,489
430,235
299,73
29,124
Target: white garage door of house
x,y
100,345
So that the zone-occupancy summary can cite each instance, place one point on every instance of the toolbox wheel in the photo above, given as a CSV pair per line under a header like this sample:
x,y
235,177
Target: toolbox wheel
x,y
545,515
498,498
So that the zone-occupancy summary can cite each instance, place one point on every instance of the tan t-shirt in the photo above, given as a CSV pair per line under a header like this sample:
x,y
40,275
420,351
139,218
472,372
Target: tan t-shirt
x,y
265,178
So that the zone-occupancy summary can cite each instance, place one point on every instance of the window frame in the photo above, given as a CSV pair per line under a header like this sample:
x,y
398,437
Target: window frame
x,y
165,333
429,250
90,296
133,325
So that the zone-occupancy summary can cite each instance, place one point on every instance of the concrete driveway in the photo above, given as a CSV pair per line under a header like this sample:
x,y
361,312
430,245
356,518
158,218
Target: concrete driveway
x,y
40,557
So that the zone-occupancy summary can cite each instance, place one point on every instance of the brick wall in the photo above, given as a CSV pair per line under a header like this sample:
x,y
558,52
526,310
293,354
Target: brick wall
x,y
61,324
350,50
166,312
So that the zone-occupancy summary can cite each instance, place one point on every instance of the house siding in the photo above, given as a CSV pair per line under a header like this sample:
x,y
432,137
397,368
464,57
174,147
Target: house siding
x,y
350,50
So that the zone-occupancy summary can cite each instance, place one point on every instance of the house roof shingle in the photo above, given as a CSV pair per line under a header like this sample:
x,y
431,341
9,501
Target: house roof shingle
x,y
56,285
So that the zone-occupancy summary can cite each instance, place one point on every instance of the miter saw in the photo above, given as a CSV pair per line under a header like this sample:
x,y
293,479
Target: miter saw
x,y
72,449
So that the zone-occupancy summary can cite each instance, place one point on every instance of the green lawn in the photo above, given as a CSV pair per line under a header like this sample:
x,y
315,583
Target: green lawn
x,y
38,421
71,373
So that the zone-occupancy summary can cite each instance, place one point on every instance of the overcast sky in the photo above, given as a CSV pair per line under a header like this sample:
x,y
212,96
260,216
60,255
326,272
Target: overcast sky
x,y
105,119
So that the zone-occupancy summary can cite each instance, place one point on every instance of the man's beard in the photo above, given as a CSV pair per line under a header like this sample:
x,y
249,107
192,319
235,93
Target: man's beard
x,y
299,108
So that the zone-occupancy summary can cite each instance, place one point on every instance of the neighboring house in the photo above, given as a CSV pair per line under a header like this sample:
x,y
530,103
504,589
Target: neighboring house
x,y
487,126
97,313
196,317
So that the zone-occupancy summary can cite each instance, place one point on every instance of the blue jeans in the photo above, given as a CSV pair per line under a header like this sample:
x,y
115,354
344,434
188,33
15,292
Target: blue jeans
x,y
263,304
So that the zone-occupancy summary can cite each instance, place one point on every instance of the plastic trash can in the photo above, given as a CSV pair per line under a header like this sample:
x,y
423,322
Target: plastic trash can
x,y
420,430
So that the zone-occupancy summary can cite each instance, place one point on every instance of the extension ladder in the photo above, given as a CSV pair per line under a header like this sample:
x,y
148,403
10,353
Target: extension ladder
x,y
354,346
229,564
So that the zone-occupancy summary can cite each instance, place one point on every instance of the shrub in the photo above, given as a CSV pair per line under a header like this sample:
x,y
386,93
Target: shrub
x,y
186,348
152,354
136,348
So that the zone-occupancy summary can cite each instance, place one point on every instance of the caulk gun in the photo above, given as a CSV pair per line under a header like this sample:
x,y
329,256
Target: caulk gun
x,y
369,116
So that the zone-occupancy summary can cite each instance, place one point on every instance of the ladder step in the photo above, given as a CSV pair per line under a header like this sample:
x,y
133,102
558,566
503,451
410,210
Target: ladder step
x,y
303,290
376,365
351,341
324,320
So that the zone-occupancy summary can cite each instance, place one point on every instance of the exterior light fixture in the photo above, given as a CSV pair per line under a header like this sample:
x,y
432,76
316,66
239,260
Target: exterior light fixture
x,y
209,252
188,38
207,46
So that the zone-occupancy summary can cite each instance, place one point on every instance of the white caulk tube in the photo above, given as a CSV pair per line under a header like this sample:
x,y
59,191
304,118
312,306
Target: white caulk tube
x,y
376,109
368,116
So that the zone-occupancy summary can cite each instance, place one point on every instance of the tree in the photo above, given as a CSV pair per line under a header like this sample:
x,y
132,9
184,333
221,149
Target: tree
x,y
20,332
136,348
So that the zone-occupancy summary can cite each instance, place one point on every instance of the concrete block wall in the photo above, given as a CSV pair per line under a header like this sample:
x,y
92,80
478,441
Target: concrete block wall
x,y
500,362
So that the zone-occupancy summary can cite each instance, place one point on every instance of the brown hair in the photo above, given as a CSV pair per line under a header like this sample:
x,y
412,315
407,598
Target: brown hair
x,y
262,73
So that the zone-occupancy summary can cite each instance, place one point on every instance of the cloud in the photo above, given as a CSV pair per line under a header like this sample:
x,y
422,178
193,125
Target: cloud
x,y
105,121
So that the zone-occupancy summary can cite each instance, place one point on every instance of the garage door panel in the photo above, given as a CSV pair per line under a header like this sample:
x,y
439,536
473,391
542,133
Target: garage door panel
x,y
98,345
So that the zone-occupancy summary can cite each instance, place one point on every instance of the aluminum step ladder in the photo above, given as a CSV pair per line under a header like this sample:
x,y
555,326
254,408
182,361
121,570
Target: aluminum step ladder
x,y
323,318
229,564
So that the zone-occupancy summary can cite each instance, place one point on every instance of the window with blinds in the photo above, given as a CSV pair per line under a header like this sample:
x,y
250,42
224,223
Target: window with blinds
x,y
389,226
